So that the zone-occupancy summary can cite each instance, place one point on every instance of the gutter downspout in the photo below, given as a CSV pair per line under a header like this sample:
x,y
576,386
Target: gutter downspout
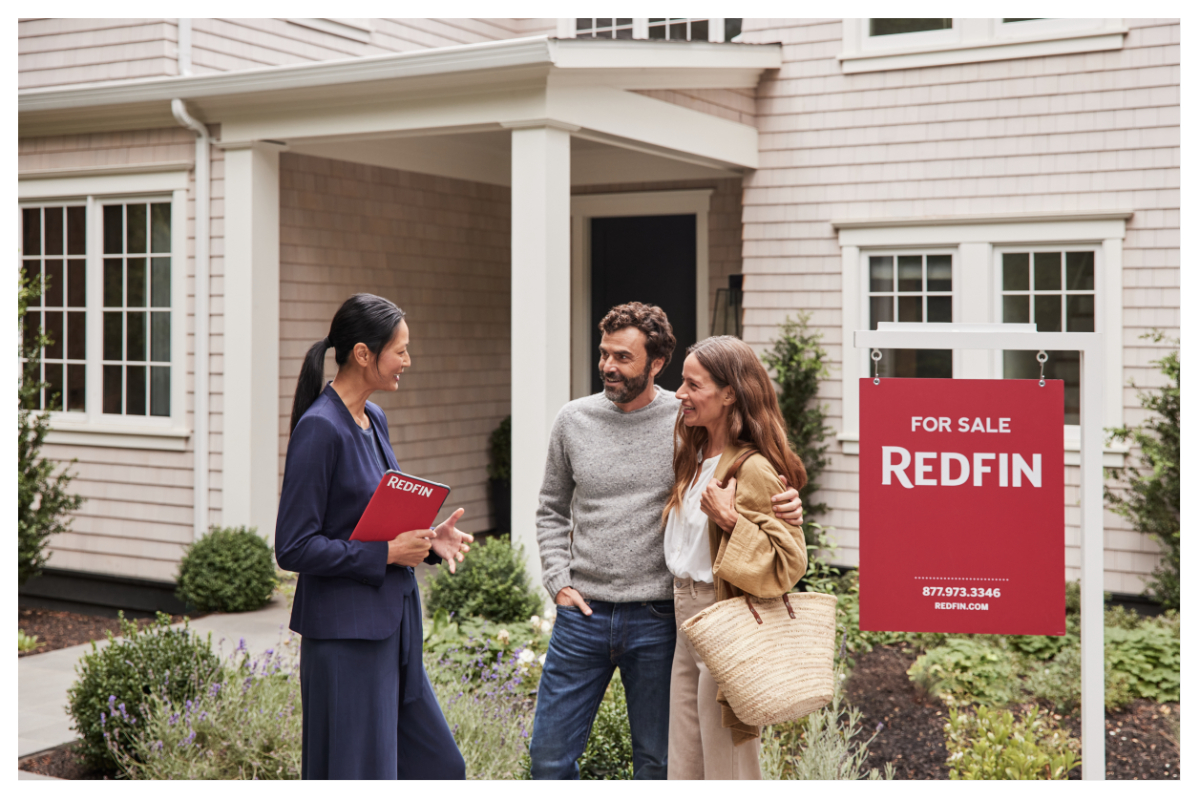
x,y
201,386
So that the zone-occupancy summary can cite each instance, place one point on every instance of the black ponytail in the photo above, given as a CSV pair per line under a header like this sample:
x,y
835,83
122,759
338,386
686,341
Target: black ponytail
x,y
365,318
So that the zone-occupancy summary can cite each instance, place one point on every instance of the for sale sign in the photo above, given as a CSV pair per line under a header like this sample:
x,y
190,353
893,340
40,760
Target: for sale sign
x,y
961,506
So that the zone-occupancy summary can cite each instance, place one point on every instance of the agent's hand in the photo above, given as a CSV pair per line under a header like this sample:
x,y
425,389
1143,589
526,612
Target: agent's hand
x,y
787,505
718,504
449,542
409,548
569,597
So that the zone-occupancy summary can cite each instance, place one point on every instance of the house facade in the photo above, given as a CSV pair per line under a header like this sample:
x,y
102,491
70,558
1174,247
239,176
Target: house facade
x,y
204,193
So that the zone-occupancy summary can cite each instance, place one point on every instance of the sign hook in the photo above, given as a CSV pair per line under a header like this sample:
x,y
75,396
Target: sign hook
x,y
1042,358
875,356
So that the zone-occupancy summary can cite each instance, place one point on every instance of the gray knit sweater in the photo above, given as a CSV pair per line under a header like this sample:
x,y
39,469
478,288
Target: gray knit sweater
x,y
599,520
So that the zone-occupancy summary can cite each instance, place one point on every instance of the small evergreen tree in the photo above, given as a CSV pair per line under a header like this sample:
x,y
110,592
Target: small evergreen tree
x,y
1151,501
42,497
798,361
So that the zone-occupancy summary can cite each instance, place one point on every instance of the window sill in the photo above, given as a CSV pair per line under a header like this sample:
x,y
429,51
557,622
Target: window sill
x,y
1114,456
129,437
994,50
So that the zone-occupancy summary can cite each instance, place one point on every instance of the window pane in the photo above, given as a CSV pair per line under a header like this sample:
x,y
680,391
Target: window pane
x,y
77,283
160,282
54,283
113,340
1047,271
113,283
135,291
887,27
624,33
910,309
31,231
909,273
881,273
940,309
54,231
113,228
940,277
160,225
76,230
135,228
1016,308
76,387
603,22
700,31
1081,271
583,23
1081,313
135,390
33,320
916,364
1060,365
160,391
624,21
881,311
1016,272
135,336
160,336
54,329
733,27
1047,312
54,387
658,31
678,32
33,272
112,389
76,335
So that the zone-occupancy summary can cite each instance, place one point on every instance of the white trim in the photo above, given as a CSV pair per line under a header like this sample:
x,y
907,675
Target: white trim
x,y
626,204
973,40
97,171
122,436
989,219
85,183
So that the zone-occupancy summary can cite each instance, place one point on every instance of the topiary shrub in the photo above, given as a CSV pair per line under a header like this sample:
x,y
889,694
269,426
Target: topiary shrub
x,y
156,658
490,583
229,569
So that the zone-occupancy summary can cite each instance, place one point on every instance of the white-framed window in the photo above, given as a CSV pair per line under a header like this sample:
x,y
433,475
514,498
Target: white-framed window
x,y
1062,271
911,286
870,45
112,247
675,29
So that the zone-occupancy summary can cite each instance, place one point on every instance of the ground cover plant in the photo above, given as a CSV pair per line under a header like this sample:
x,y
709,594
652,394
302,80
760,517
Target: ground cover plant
x,y
985,744
228,569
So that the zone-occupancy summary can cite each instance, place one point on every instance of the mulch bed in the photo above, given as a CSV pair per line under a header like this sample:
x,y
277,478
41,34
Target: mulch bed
x,y
1141,744
58,629
61,762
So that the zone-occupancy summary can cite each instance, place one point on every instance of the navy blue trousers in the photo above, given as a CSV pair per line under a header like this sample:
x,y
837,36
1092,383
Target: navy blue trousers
x,y
370,712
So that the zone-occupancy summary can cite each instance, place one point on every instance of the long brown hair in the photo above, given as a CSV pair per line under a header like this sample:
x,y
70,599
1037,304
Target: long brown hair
x,y
754,418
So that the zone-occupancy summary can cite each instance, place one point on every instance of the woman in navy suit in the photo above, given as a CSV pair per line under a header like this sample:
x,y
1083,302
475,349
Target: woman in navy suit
x,y
369,710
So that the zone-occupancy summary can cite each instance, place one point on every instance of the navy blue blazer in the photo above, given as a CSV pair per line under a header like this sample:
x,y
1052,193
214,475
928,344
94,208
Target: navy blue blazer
x,y
346,590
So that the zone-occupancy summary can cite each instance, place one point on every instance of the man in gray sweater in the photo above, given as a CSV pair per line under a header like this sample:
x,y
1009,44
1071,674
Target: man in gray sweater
x,y
599,531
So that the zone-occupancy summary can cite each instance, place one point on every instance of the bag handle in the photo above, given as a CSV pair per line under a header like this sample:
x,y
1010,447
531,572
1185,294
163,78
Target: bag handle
x,y
736,465
758,618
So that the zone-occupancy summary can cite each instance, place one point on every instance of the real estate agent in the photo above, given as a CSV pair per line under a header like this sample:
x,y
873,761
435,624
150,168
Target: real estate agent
x,y
369,710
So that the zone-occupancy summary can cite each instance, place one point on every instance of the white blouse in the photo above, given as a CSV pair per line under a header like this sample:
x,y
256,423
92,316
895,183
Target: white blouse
x,y
686,540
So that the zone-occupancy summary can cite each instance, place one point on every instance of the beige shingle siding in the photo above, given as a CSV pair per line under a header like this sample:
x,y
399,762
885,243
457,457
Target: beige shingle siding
x,y
437,247
56,52
737,105
1088,131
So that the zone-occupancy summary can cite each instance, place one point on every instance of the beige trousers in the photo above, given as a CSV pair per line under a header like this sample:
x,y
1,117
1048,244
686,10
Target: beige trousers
x,y
698,747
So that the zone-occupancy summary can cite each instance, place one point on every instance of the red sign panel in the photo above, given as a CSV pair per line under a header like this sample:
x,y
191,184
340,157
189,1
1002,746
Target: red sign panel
x,y
961,506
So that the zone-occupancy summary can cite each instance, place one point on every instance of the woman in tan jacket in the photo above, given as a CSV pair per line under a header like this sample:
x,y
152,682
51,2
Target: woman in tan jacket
x,y
722,539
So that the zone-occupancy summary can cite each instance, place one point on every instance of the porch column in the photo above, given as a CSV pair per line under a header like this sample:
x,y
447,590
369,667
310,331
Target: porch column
x,y
250,395
541,315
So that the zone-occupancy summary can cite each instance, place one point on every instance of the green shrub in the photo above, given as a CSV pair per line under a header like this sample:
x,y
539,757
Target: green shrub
x,y
229,569
490,583
469,643
971,670
1056,682
1147,659
991,745
500,451
156,659
609,752
245,726
25,643
1040,648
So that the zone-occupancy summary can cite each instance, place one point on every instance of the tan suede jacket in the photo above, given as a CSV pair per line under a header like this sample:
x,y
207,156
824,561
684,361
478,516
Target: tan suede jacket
x,y
763,556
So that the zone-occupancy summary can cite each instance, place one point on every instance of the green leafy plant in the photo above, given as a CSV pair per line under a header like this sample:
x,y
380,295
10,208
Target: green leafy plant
x,y
43,501
228,569
26,643
1151,501
993,745
798,361
491,583
471,643
500,451
1146,659
244,726
153,660
971,670
609,752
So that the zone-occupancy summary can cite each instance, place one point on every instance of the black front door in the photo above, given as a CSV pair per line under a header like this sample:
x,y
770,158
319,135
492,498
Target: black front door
x,y
651,260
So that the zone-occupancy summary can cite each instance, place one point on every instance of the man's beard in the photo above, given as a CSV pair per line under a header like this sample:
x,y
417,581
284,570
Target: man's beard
x,y
630,389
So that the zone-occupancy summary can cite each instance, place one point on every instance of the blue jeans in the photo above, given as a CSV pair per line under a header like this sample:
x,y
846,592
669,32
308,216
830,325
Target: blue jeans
x,y
639,638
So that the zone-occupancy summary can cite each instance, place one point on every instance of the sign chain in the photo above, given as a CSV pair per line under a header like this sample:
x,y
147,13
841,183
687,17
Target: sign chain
x,y
1041,357
876,356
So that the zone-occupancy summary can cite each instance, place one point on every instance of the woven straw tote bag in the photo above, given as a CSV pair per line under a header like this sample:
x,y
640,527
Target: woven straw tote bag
x,y
772,658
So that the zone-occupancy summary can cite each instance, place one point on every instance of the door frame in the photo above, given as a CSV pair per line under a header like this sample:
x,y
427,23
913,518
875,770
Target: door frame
x,y
586,207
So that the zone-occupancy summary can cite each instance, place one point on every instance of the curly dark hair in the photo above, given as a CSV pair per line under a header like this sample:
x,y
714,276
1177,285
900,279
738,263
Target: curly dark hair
x,y
650,320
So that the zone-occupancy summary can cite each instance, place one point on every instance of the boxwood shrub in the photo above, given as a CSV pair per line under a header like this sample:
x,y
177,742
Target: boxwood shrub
x,y
229,569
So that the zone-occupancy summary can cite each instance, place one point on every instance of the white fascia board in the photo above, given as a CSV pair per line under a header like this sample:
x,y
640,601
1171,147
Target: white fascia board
x,y
1047,227
629,54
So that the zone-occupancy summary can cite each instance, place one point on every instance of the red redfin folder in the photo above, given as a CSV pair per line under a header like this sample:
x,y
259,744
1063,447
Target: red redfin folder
x,y
400,503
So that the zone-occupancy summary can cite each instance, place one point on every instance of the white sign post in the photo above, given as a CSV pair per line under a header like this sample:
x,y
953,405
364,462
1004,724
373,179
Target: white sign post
x,y
1025,336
